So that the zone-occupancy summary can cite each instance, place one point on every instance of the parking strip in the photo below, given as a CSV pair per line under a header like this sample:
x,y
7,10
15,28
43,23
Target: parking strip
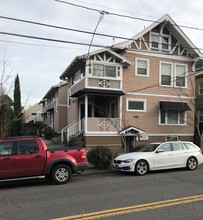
x,y
133,209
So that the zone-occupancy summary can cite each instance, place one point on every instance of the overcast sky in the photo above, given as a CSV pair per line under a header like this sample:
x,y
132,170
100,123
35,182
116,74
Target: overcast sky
x,y
40,63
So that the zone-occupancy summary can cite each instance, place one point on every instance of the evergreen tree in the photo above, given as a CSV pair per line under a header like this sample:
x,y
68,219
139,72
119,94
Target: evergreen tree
x,y
17,108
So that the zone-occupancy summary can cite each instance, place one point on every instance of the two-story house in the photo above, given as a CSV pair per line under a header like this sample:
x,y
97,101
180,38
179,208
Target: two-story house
x,y
134,92
54,105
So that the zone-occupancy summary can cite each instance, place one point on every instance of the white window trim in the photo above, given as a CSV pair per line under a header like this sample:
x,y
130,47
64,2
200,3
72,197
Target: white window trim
x,y
117,65
136,100
137,59
172,74
160,35
186,75
166,118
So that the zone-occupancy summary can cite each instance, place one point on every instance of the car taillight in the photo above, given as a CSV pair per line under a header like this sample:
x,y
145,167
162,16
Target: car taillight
x,y
200,151
82,155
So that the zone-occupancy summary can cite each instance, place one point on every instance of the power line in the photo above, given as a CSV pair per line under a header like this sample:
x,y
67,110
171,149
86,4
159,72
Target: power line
x,y
40,45
81,31
126,16
50,39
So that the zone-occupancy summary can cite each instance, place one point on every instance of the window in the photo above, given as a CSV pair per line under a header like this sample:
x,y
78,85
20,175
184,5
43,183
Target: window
x,y
155,41
201,88
180,71
189,146
27,147
104,71
172,117
160,41
173,74
142,67
178,146
165,147
6,148
166,74
136,105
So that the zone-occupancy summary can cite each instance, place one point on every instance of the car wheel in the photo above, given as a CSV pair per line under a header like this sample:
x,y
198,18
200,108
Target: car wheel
x,y
61,174
141,167
192,163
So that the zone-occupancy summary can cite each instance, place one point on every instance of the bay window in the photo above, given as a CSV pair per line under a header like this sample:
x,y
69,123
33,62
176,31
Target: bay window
x,y
104,70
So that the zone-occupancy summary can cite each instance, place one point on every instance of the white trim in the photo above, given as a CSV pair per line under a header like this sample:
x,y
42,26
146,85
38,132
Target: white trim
x,y
136,100
171,74
159,95
136,66
159,55
186,75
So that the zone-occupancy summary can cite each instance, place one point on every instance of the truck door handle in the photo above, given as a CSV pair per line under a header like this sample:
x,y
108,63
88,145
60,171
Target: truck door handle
x,y
7,158
38,156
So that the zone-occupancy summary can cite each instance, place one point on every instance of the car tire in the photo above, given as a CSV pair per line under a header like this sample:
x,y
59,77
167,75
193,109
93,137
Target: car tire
x,y
61,174
141,167
192,163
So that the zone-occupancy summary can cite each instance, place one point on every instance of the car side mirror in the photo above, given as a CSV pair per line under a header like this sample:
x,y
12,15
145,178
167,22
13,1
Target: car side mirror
x,y
160,151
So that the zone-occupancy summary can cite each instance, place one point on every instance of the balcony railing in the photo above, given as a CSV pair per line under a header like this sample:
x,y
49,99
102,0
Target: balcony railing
x,y
97,83
94,125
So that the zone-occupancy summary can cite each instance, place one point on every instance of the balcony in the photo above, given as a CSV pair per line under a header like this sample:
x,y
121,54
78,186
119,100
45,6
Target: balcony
x,y
92,84
103,125
52,104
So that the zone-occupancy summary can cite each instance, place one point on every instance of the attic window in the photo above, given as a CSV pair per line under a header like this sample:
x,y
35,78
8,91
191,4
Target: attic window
x,y
160,41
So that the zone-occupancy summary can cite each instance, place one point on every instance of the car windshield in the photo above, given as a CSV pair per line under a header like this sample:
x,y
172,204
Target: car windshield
x,y
149,148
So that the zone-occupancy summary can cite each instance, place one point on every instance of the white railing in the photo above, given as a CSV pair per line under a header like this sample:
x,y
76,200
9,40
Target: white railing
x,y
73,129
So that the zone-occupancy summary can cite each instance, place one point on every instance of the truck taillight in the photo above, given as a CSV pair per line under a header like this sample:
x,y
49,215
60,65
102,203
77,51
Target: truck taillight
x,y
82,155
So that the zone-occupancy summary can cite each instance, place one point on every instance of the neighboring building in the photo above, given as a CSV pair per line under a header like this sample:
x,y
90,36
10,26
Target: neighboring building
x,y
199,103
139,90
33,113
54,105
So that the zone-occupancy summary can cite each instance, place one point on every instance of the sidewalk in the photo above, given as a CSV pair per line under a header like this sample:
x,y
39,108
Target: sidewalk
x,y
93,170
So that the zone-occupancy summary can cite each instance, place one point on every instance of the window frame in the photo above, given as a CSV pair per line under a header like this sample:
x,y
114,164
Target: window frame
x,y
136,67
175,74
104,65
160,73
136,100
166,119
160,42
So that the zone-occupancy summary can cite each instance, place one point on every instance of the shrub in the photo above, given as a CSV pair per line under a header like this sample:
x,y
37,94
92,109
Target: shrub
x,y
100,157
56,140
75,142
48,133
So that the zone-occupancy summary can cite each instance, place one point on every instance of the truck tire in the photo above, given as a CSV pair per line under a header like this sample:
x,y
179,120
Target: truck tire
x,y
61,174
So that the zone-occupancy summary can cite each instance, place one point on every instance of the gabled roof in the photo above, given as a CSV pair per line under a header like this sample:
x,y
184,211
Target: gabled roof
x,y
129,130
84,57
173,28
54,89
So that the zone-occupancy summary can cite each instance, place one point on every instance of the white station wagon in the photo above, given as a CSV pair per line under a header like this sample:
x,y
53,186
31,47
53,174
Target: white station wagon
x,y
159,156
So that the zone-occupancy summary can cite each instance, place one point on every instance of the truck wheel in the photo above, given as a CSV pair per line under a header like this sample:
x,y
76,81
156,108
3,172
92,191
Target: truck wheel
x,y
61,174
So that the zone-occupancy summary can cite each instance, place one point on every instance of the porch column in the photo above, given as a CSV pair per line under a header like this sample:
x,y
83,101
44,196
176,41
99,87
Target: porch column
x,y
86,111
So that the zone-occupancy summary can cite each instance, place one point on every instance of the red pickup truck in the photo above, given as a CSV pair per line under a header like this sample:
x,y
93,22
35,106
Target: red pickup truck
x,y
29,158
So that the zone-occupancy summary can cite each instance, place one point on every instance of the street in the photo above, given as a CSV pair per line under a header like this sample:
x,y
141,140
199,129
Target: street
x,y
174,194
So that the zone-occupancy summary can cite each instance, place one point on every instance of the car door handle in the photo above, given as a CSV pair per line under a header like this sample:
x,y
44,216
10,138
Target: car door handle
x,y
7,158
38,156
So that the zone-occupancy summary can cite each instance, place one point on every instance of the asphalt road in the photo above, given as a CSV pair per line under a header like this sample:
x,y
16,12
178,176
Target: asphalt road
x,y
168,195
